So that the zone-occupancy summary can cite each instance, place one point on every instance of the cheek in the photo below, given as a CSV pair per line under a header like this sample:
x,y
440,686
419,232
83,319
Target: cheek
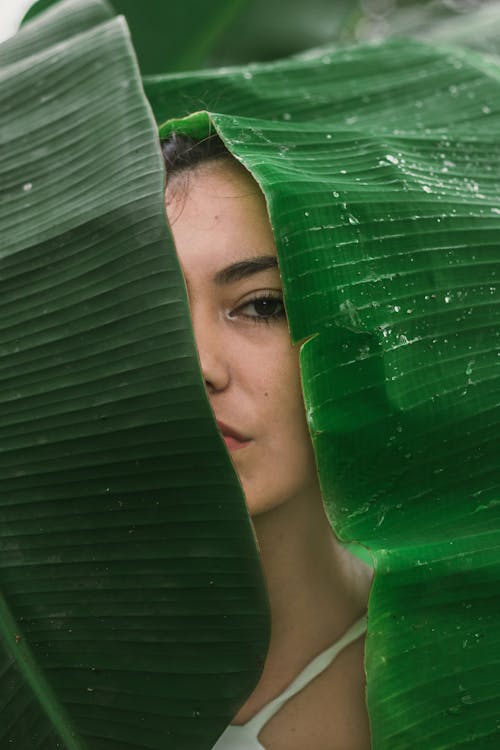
x,y
283,465
280,466
284,405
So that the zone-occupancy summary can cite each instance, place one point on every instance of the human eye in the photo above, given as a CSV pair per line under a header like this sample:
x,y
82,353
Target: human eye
x,y
265,307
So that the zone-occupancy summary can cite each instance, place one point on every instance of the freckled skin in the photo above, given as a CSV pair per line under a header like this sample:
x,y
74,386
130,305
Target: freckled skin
x,y
218,217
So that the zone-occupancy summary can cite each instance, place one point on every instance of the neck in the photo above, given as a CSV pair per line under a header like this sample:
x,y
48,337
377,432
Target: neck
x,y
316,591
316,588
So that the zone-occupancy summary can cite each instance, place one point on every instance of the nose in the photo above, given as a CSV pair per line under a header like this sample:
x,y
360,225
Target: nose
x,y
212,353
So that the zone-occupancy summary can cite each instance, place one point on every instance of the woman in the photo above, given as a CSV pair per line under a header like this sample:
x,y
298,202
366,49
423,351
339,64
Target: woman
x,y
311,691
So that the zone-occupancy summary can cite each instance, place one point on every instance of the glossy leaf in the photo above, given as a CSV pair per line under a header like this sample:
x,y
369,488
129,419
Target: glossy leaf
x,y
128,568
381,168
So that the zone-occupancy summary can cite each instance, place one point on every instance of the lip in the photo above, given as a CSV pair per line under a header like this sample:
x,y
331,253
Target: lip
x,y
233,439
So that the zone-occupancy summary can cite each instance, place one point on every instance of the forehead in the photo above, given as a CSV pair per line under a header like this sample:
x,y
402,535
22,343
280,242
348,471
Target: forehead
x,y
217,214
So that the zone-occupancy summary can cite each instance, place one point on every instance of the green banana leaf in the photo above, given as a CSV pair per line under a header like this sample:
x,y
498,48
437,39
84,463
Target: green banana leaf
x,y
132,608
381,169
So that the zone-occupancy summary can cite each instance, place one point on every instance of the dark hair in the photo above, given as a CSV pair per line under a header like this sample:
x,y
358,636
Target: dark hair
x,y
182,152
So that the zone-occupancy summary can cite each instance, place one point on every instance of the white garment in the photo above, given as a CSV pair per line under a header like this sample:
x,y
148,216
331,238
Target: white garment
x,y
245,736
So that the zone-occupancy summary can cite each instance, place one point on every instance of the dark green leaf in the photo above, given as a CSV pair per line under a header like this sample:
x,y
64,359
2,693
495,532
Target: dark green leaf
x,y
132,612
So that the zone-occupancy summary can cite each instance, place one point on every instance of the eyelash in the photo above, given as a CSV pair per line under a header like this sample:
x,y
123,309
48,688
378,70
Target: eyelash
x,y
266,319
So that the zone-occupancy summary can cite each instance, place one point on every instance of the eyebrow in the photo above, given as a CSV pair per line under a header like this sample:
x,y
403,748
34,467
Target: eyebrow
x,y
243,268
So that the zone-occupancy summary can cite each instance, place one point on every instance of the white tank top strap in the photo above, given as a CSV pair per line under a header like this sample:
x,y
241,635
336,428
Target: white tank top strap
x,y
237,737
312,670
245,736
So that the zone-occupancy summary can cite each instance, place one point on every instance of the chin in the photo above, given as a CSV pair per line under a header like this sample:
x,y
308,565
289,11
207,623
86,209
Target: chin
x,y
258,504
297,495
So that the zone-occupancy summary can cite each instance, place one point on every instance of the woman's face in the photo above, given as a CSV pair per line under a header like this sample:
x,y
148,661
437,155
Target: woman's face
x,y
225,245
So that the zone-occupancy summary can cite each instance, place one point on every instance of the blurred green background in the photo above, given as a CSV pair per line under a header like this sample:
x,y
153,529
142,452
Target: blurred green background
x,y
193,34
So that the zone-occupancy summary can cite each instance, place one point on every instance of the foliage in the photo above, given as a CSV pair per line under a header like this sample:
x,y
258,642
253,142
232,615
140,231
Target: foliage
x,y
387,245
172,37
380,166
128,566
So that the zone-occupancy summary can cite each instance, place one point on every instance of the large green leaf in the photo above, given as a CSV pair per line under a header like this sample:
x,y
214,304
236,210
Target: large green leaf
x,y
132,612
381,168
